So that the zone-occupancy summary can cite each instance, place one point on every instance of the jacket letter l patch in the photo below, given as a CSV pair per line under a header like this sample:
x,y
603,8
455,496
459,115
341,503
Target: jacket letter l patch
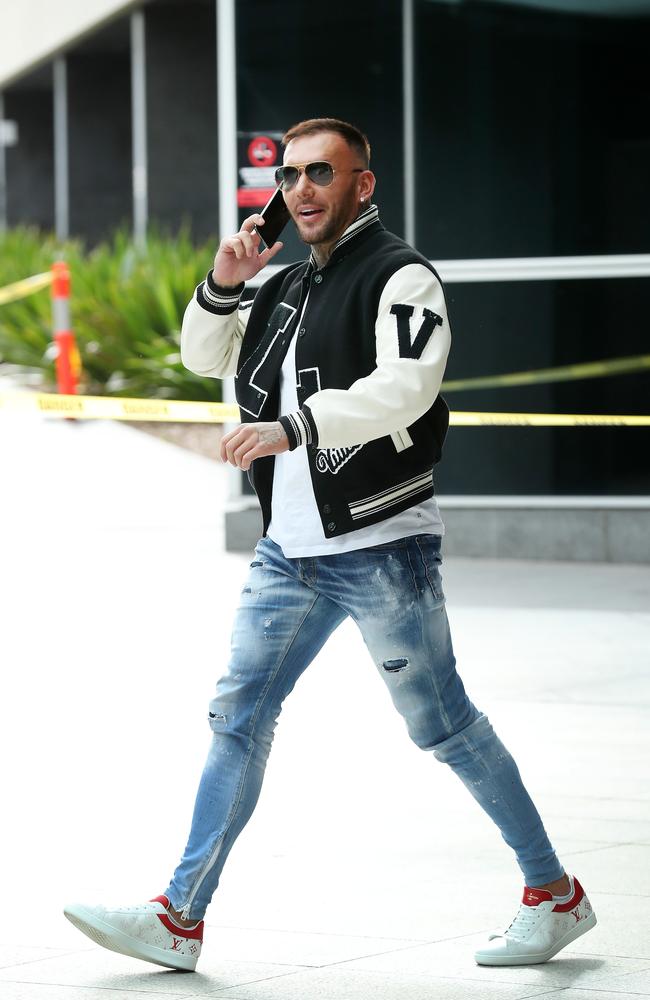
x,y
413,348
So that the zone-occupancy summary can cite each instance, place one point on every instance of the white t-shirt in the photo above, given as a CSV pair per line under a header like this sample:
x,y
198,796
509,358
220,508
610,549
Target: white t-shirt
x,y
295,522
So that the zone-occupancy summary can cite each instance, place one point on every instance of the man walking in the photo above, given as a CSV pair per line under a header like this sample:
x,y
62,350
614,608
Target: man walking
x,y
338,367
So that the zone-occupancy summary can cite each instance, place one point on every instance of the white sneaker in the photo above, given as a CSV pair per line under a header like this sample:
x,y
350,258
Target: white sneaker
x,y
541,928
145,931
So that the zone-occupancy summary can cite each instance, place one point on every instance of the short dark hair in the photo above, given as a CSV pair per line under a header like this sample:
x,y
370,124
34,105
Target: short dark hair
x,y
352,135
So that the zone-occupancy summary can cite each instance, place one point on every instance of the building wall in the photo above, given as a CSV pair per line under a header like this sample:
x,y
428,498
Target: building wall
x,y
182,117
30,163
31,30
99,109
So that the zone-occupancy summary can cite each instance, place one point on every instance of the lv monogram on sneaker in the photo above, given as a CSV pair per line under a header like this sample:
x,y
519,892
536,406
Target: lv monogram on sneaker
x,y
145,931
541,928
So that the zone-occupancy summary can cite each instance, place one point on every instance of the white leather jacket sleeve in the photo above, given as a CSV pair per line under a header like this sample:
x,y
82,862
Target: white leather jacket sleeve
x,y
413,340
210,340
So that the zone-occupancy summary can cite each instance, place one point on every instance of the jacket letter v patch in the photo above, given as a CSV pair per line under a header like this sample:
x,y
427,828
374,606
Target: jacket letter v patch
x,y
413,348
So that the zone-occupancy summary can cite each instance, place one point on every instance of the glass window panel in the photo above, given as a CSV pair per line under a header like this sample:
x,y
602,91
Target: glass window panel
x,y
533,129
341,59
517,326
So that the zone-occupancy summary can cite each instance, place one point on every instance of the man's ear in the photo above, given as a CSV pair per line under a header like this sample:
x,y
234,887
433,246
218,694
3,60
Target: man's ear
x,y
367,181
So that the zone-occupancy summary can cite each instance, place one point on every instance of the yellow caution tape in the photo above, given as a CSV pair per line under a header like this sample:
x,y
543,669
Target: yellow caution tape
x,y
564,373
180,411
460,418
27,286
118,408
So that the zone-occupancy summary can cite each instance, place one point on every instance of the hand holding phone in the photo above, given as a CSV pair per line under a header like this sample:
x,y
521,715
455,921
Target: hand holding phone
x,y
276,215
241,256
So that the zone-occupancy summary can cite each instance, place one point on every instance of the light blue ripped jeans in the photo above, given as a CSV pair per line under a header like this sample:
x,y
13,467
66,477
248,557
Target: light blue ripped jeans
x,y
288,609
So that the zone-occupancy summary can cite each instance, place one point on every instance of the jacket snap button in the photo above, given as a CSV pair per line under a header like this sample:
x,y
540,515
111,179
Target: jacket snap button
x,y
318,278
331,526
302,332
327,509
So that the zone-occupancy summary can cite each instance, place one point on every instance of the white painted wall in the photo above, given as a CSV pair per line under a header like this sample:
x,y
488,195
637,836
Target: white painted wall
x,y
31,30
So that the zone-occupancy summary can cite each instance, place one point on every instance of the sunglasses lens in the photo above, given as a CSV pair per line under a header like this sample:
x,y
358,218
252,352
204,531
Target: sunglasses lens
x,y
320,173
286,177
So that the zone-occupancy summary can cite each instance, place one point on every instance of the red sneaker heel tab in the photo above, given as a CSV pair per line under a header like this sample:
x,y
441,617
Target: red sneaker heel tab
x,y
533,896
161,899
193,933
576,899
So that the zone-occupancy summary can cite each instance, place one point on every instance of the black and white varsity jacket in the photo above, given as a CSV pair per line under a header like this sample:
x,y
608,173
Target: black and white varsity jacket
x,y
372,343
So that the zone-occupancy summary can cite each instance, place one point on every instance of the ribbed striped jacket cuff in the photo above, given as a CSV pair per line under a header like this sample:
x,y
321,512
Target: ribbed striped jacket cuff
x,y
216,299
300,428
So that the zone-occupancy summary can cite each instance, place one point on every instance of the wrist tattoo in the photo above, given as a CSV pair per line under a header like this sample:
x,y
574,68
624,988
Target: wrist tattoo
x,y
272,436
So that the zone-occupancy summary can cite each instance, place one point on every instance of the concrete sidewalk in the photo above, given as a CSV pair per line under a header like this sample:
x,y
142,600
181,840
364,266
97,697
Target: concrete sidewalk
x,y
367,870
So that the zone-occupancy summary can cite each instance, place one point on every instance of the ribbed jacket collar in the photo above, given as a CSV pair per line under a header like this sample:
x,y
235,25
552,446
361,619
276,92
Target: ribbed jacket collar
x,y
351,236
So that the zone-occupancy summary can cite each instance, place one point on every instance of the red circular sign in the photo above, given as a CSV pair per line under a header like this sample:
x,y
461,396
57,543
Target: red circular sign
x,y
262,151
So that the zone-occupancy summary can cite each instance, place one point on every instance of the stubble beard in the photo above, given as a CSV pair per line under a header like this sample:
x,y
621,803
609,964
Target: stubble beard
x,y
327,234
332,230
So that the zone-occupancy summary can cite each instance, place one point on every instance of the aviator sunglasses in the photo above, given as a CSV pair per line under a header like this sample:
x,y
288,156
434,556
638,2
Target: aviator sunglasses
x,y
320,172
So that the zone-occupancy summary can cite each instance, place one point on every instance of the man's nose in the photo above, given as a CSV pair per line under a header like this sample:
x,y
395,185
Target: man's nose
x,y
303,183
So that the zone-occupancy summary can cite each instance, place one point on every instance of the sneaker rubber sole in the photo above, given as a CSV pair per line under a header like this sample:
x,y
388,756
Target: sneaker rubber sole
x,y
485,958
104,934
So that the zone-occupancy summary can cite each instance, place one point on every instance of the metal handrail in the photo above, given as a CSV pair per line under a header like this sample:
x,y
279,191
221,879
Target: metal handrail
x,y
525,268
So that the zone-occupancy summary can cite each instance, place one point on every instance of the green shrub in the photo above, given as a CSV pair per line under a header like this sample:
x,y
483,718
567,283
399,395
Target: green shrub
x,y
126,308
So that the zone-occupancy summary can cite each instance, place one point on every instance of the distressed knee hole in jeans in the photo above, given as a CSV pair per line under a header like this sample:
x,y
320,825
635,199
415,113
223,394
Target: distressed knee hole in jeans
x,y
218,715
393,665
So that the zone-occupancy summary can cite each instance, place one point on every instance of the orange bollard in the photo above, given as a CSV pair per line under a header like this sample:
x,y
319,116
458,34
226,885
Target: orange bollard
x,y
68,362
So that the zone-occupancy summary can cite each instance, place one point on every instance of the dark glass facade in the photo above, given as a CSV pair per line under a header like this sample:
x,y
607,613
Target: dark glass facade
x,y
532,139
519,326
301,60
533,131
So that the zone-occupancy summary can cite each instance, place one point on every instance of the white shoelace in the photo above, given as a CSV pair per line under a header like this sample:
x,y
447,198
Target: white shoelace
x,y
524,923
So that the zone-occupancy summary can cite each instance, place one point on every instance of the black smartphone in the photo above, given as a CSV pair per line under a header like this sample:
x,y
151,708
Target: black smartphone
x,y
276,215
